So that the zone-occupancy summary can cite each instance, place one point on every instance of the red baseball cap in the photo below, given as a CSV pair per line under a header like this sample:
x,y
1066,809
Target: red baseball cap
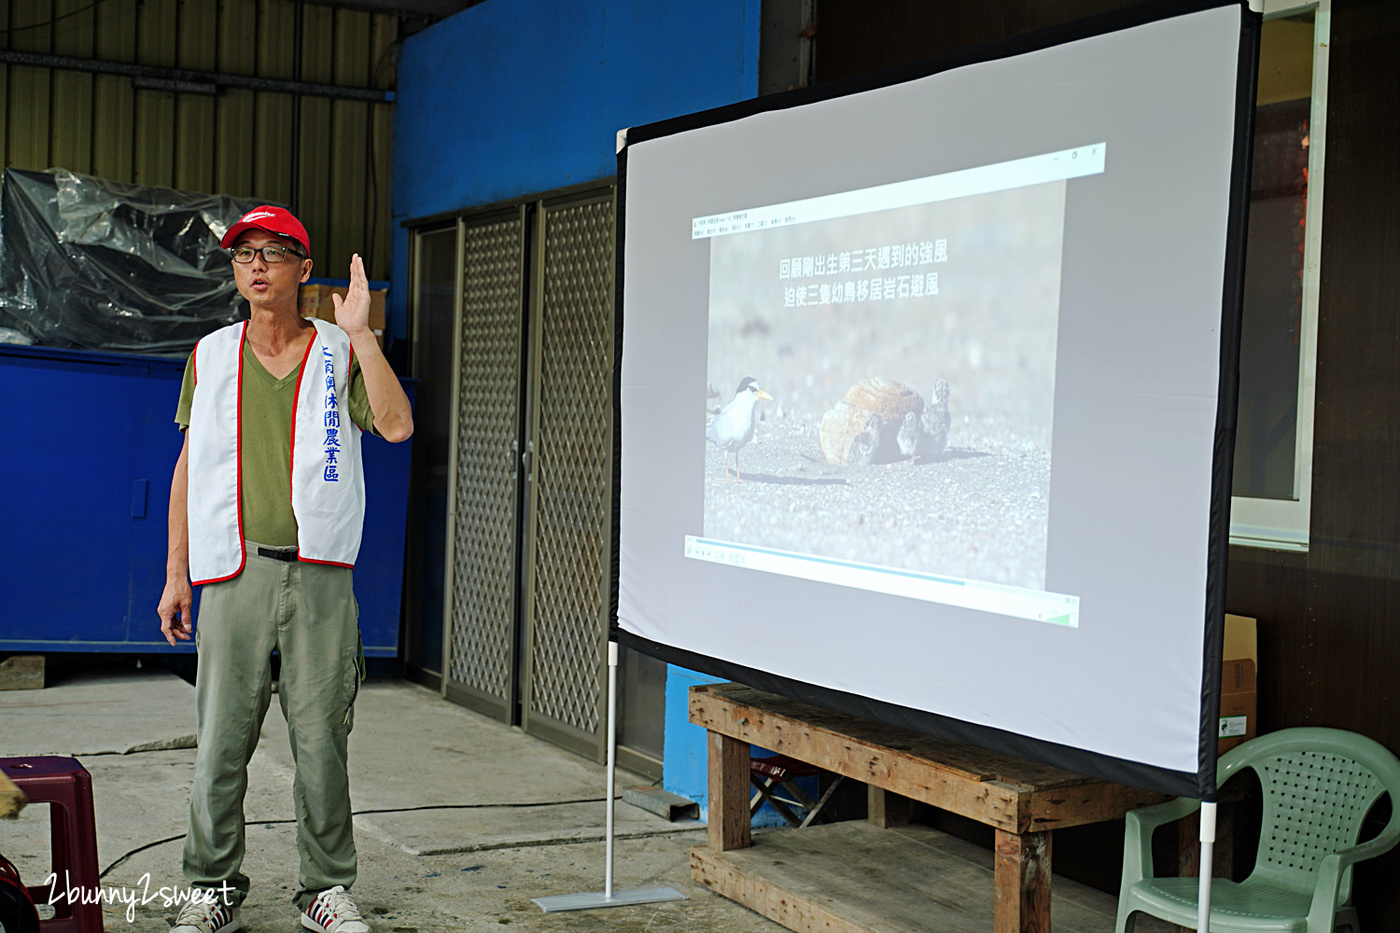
x,y
276,220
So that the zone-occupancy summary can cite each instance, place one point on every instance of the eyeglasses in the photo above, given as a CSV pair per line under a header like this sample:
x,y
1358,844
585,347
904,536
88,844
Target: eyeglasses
x,y
269,253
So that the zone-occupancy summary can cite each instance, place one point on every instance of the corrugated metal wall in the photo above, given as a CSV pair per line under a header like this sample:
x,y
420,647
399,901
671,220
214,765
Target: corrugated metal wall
x,y
236,142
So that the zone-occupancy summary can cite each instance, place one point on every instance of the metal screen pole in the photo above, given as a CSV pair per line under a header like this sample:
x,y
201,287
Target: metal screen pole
x,y
608,897
1207,868
612,764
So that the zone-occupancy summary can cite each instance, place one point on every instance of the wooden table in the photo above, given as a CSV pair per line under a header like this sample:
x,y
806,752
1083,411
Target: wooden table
x,y
1024,801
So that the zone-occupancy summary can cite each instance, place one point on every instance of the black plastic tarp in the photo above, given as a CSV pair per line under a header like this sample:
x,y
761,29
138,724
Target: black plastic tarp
x,y
101,265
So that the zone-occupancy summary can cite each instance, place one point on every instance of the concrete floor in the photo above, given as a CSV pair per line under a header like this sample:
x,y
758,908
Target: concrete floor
x,y
460,820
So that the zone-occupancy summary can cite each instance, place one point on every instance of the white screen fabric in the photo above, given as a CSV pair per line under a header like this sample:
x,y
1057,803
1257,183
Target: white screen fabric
x,y
1036,247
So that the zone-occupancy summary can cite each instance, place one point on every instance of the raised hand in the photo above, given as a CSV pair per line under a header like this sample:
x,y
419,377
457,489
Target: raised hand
x,y
352,312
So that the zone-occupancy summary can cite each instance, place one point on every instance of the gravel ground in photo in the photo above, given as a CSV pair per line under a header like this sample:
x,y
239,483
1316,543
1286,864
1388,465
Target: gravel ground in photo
x,y
978,511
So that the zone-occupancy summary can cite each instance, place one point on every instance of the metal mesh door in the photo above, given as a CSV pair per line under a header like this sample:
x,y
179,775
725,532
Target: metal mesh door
x,y
481,585
570,506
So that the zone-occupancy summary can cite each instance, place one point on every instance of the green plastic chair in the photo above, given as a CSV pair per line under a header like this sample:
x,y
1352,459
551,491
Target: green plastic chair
x,y
1318,786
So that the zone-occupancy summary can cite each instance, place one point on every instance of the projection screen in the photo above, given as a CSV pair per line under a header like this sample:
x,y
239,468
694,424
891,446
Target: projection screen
x,y
925,390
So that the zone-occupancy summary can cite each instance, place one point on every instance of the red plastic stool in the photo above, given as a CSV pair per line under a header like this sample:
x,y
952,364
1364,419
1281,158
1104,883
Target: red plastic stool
x,y
66,787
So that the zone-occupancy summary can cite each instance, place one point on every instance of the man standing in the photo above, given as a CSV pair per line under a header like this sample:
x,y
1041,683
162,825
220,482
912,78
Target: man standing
x,y
266,513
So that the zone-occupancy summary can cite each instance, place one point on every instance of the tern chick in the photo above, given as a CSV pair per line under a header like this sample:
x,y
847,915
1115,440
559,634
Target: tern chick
x,y
910,435
731,428
866,443
937,420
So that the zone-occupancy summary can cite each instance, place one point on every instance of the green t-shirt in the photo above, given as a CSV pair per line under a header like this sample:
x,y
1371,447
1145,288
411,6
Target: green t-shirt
x,y
267,444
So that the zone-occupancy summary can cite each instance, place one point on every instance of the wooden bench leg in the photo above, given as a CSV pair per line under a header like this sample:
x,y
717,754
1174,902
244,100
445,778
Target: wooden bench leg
x,y
885,808
1022,883
729,794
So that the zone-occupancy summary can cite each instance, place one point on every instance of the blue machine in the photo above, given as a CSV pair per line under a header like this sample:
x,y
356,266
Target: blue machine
x,y
86,469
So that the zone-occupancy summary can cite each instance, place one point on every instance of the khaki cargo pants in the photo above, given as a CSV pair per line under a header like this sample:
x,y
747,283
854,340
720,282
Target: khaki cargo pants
x,y
307,612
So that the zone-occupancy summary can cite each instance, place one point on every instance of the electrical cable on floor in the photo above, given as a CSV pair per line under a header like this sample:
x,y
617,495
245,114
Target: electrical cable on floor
x,y
439,806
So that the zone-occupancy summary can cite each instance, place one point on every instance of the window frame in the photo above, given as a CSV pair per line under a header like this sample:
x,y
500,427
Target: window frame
x,y
1283,524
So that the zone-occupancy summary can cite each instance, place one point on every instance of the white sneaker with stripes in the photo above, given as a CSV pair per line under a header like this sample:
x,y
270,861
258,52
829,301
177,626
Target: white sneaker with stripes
x,y
200,916
334,911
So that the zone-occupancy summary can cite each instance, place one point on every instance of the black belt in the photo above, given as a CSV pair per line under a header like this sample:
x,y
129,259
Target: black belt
x,y
279,553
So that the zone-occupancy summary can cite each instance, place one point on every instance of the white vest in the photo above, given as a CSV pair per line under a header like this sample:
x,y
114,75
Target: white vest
x,y
328,486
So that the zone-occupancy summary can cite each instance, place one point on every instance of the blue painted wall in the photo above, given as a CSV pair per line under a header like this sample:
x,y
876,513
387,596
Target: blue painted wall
x,y
516,97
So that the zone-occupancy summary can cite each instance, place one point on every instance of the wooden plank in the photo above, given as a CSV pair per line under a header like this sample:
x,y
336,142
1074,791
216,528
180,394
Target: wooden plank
x,y
729,793
975,762
11,798
22,672
1022,883
1022,800
854,876
905,765
782,905
1095,802
885,808
1000,790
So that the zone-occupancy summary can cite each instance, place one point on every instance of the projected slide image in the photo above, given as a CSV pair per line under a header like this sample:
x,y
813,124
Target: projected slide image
x,y
881,386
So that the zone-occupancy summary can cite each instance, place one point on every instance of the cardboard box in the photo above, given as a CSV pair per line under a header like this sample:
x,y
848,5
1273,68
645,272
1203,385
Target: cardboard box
x,y
316,301
1239,703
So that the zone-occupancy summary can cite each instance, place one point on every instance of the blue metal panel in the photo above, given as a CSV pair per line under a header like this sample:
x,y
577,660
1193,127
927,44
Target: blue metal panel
x,y
397,314
515,97
80,572
379,568
87,482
